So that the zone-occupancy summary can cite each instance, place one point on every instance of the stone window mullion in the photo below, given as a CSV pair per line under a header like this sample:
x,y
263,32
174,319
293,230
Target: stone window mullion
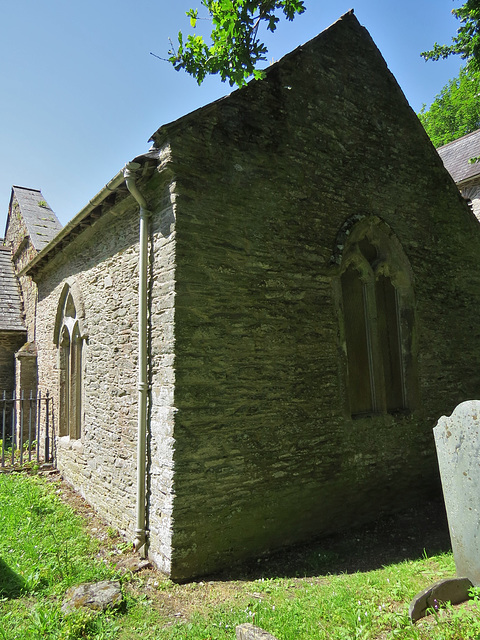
x,y
64,382
374,346
377,321
70,371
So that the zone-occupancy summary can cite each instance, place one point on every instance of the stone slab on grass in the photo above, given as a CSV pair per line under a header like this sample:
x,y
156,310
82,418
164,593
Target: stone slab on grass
x,y
248,631
453,590
98,596
134,564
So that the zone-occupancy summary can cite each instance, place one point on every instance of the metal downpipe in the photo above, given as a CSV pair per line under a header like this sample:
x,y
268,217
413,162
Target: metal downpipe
x,y
141,541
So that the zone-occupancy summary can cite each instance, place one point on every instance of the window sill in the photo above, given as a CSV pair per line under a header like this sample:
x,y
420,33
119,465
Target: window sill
x,y
398,413
66,442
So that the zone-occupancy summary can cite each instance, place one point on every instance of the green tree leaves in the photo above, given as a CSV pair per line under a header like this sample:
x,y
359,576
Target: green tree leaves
x,y
455,110
467,41
235,46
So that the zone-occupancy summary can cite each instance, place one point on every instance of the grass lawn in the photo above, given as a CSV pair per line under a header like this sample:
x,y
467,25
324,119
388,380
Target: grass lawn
x,y
356,586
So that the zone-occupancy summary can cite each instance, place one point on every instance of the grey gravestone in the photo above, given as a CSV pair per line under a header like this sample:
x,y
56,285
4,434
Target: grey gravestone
x,y
453,590
457,438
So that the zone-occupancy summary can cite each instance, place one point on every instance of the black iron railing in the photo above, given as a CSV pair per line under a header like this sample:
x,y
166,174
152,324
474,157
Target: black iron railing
x,y
26,433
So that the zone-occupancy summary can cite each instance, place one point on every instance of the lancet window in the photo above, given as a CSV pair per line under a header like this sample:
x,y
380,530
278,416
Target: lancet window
x,y
70,347
377,321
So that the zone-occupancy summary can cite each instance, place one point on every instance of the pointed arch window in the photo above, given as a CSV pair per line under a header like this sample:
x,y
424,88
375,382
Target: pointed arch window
x,y
377,321
70,364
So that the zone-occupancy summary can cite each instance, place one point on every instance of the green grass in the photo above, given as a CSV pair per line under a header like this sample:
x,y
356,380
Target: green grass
x,y
44,549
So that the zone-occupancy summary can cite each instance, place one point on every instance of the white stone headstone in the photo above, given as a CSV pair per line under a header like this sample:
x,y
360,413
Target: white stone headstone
x,y
457,438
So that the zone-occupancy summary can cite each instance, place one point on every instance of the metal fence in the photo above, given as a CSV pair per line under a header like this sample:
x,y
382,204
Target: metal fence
x,y
26,428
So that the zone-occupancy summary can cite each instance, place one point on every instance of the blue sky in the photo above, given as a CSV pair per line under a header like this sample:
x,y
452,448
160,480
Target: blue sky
x,y
82,94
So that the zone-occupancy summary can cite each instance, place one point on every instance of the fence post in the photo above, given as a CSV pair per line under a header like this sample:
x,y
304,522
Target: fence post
x,y
4,426
22,415
14,425
30,426
37,428
47,435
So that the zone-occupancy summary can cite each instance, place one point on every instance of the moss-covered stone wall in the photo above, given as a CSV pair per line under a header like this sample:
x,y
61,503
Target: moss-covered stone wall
x,y
266,451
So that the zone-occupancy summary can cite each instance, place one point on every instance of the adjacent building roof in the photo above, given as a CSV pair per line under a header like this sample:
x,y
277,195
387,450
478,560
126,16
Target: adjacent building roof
x,y
456,156
11,318
42,224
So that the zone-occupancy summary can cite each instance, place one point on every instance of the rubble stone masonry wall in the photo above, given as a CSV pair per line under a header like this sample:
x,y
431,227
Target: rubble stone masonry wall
x,y
101,266
10,341
23,252
267,453
252,443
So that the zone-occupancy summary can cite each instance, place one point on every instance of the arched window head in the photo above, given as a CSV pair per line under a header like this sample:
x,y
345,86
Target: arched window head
x,y
70,365
376,298
70,310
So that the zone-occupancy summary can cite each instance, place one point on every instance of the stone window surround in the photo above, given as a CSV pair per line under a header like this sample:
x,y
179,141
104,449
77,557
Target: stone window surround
x,y
392,265
69,339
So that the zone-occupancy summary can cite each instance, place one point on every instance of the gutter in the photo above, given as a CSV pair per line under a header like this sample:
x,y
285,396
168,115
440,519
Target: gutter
x,y
108,189
141,542
111,186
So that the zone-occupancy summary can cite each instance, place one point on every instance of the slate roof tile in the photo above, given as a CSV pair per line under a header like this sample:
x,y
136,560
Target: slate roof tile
x,y
42,224
456,154
11,318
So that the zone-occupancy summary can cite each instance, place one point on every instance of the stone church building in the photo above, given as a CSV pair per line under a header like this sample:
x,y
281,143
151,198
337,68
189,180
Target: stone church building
x,y
250,332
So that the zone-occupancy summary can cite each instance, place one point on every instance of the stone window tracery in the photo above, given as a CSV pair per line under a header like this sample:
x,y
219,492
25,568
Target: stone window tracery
x,y
70,348
376,299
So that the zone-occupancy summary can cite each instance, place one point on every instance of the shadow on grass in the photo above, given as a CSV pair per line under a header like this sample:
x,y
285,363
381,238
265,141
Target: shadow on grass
x,y
11,584
408,535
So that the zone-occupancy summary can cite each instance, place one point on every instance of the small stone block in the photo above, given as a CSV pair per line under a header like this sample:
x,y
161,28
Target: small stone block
x,y
248,631
453,590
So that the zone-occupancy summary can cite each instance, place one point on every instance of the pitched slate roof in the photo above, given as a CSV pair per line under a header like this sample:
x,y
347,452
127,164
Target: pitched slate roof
x,y
42,224
456,155
11,318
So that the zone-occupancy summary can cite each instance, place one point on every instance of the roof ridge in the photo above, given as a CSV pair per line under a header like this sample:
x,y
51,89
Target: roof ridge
x,y
17,186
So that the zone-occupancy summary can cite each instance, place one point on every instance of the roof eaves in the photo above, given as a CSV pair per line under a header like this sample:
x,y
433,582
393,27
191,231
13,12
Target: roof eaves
x,y
86,217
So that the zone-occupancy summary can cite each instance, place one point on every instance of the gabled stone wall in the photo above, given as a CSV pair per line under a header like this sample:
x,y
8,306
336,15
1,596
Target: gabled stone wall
x,y
23,252
267,453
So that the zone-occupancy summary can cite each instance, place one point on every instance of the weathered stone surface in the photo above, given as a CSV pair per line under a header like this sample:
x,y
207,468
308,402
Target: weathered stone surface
x,y
453,590
133,564
457,438
266,450
26,234
248,631
101,268
98,596
10,341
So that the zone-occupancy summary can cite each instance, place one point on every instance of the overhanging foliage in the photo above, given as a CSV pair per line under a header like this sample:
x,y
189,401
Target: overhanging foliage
x,y
235,46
